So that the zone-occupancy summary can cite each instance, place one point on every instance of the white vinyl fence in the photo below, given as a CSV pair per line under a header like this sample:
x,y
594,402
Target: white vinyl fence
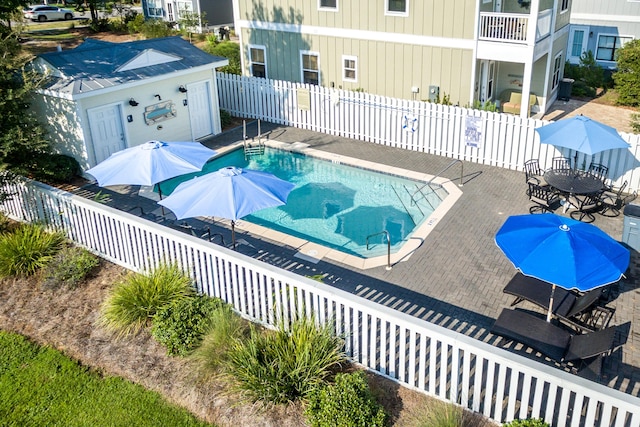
x,y
494,139
413,352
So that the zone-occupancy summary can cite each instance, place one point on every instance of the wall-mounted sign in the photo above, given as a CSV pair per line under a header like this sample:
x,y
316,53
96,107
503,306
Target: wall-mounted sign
x,y
158,112
304,99
473,132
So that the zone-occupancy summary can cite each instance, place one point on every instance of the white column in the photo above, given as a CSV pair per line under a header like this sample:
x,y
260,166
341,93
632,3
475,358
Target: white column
x,y
528,65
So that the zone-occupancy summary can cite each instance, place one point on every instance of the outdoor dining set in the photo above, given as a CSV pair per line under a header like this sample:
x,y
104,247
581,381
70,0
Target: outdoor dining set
x,y
566,266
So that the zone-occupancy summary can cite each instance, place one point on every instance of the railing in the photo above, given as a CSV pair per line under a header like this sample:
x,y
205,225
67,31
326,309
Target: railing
x,y
415,353
505,27
503,140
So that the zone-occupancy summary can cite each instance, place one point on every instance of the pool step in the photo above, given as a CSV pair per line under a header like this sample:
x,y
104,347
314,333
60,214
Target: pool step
x,y
253,149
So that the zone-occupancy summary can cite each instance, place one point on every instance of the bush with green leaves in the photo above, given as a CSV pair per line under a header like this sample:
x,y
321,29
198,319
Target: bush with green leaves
x,y
28,248
635,123
529,422
285,365
627,78
229,50
588,76
348,402
52,168
226,327
132,304
181,325
69,268
225,118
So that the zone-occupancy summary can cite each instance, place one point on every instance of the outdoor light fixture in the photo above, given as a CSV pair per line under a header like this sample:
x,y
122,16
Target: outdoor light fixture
x,y
158,96
133,102
182,89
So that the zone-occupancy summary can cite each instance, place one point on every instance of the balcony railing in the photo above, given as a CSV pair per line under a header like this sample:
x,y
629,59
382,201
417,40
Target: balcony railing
x,y
504,27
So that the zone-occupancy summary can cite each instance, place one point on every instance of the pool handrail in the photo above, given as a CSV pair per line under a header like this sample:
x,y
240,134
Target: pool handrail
x,y
386,233
428,183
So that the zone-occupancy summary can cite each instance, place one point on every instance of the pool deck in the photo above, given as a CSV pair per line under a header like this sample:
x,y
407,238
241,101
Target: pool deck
x,y
455,278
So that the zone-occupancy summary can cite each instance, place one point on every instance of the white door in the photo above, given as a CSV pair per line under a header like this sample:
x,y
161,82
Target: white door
x,y
578,38
107,132
487,72
199,101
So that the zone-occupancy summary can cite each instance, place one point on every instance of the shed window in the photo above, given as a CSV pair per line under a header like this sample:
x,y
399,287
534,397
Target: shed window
x,y
328,4
557,62
564,6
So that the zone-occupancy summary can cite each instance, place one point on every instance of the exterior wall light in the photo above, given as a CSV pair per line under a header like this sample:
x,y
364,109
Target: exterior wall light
x,y
182,89
133,102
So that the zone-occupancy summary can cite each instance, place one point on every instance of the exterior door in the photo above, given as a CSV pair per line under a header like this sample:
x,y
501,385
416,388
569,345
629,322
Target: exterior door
x,y
200,114
107,131
170,16
578,38
487,73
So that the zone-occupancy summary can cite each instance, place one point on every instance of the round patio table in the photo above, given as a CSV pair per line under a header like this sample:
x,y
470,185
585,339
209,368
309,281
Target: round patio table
x,y
570,182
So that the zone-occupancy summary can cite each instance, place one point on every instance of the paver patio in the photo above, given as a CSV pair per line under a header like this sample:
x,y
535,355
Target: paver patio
x,y
455,279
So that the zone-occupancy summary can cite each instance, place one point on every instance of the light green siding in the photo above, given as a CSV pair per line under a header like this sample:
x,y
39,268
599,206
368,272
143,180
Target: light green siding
x,y
383,67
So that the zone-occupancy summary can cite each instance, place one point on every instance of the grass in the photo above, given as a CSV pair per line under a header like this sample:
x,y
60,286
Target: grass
x,y
41,386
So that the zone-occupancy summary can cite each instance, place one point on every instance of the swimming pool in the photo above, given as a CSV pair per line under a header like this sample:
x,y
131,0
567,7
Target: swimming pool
x,y
341,207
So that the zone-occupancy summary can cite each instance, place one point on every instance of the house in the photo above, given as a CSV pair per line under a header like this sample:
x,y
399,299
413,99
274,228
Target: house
x,y
216,13
602,27
102,97
461,50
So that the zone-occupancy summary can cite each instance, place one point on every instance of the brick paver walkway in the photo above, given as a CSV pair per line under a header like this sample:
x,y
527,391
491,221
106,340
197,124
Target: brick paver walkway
x,y
455,279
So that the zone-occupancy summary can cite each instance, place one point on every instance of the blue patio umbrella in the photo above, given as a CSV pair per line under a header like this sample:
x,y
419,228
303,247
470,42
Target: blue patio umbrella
x,y
562,251
581,134
230,193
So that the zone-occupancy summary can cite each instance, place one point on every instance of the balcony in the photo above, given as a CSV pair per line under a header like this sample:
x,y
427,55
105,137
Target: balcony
x,y
513,27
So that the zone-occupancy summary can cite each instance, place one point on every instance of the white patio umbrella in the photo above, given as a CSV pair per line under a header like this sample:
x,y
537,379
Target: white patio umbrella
x,y
151,163
230,193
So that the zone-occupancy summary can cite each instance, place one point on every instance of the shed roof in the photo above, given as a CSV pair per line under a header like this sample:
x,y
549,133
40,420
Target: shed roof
x,y
96,64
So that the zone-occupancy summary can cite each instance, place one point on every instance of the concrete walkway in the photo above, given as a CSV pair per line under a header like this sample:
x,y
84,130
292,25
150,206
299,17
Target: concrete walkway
x,y
617,117
455,279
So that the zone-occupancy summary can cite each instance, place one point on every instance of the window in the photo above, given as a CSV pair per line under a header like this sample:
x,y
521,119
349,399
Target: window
x,y
153,8
258,63
397,7
328,4
349,68
564,5
557,66
608,46
310,67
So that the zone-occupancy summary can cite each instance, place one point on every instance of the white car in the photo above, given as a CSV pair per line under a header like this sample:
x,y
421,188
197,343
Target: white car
x,y
45,12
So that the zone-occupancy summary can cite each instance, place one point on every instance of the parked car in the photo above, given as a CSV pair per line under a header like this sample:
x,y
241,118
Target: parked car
x,y
45,12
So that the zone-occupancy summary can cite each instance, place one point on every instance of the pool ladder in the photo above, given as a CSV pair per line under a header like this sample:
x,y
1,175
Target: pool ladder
x,y
251,148
386,234
428,183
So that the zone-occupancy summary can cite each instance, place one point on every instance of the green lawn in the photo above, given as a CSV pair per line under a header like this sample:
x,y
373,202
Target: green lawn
x,y
40,386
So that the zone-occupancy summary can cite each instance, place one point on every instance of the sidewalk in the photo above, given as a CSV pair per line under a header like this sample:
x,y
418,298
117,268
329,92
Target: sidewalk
x,y
616,117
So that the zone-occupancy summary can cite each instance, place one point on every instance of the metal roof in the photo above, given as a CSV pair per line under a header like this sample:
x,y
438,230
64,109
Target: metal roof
x,y
96,64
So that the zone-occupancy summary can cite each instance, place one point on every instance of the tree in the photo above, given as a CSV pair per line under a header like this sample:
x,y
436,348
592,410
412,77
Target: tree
x,y
7,9
22,138
627,78
190,22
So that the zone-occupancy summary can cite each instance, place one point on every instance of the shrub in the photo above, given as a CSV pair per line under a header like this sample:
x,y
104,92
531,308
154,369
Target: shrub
x,y
131,305
284,366
346,403
56,168
225,118
229,50
99,25
529,422
440,414
27,249
181,325
635,123
225,328
69,268
156,28
627,78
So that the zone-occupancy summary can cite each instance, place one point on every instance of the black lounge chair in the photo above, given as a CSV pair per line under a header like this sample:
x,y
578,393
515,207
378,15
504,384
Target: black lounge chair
x,y
578,311
584,352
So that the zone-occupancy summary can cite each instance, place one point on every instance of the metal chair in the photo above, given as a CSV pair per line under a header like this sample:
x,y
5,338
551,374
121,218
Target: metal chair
x,y
613,200
544,198
586,205
599,170
534,173
561,163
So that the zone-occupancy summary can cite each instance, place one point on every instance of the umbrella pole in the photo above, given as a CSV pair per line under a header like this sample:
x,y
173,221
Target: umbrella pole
x,y
233,234
553,289
160,195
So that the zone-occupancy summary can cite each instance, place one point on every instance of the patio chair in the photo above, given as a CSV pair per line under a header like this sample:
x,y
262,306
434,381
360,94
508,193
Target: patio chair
x,y
578,311
599,170
561,163
533,172
582,353
586,205
543,197
613,200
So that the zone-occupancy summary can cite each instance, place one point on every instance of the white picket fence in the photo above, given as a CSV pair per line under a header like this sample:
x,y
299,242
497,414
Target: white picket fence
x,y
411,351
501,140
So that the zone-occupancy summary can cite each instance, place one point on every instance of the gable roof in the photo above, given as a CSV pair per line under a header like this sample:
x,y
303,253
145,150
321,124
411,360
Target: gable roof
x,y
96,64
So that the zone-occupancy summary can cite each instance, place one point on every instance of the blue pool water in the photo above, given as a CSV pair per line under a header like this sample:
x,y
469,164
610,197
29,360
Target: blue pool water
x,y
334,205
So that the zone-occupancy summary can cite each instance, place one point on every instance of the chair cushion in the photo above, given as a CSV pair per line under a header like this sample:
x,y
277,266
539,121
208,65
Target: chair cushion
x,y
515,98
